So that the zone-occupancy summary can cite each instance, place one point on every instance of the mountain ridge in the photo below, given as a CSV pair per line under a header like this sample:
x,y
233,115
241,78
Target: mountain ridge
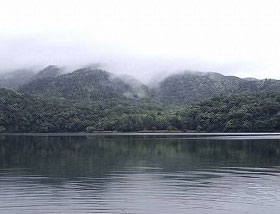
x,y
193,87
185,88
85,83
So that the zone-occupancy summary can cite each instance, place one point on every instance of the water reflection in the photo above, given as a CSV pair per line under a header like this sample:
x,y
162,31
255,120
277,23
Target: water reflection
x,y
134,174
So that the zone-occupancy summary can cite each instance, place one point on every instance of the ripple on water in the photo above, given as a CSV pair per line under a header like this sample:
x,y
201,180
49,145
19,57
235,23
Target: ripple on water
x,y
139,176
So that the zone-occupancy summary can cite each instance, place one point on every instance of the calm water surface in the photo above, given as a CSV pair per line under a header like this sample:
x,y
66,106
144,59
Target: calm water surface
x,y
140,174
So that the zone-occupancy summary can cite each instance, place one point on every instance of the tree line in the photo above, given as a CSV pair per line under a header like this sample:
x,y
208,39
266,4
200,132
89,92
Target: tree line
x,y
236,113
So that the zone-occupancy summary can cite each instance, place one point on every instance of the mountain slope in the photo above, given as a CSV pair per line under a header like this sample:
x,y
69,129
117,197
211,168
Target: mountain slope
x,y
96,84
18,78
50,71
86,84
15,79
21,112
193,87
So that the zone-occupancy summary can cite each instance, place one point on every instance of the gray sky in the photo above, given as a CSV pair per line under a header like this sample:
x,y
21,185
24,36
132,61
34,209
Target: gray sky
x,y
143,37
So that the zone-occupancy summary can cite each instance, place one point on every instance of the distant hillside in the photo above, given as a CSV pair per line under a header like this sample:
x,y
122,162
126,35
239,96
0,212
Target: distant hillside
x,y
15,79
194,87
50,71
28,113
18,78
87,84
236,113
92,84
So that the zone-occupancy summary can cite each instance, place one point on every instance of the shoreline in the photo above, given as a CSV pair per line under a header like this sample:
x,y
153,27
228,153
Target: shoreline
x,y
145,134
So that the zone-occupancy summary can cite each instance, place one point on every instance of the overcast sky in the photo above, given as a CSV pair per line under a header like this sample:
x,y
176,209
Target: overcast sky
x,y
143,37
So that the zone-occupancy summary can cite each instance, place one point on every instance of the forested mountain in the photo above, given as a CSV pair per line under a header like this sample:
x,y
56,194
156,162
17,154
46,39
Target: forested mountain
x,y
194,87
50,71
237,113
94,84
87,84
28,113
18,78
91,99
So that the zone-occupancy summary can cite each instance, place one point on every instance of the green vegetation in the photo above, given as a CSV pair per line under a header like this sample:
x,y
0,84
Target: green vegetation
x,y
90,99
194,87
236,113
85,84
29,113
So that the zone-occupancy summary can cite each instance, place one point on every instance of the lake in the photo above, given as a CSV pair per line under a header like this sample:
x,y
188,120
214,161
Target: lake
x,y
140,174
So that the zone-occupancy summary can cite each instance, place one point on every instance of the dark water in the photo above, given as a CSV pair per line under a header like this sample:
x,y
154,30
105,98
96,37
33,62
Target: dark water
x,y
139,174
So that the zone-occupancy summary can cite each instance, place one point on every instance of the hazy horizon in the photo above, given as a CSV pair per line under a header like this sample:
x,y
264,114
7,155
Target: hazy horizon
x,y
143,38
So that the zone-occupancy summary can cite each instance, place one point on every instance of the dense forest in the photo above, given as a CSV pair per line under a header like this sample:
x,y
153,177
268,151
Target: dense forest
x,y
236,113
89,100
